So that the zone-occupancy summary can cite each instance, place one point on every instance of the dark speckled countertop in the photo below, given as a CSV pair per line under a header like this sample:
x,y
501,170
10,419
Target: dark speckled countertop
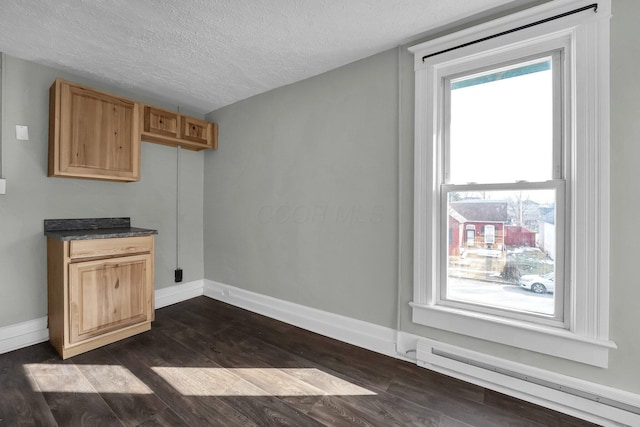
x,y
93,228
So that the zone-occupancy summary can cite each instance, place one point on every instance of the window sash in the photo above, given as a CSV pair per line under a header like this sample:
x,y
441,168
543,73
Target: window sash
x,y
561,310
557,55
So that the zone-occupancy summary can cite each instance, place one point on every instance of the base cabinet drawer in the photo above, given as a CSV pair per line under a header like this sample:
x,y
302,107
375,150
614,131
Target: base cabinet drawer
x,y
100,248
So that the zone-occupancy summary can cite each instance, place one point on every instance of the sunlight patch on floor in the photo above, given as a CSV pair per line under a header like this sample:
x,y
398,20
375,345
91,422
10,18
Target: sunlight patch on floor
x,y
257,382
190,381
68,378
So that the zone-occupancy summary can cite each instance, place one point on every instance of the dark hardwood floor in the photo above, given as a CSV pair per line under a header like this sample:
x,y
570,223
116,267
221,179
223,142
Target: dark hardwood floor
x,y
206,363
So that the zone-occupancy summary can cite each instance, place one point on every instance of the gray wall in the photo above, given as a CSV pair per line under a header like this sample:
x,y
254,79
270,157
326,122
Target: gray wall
x,y
308,199
32,197
292,158
300,198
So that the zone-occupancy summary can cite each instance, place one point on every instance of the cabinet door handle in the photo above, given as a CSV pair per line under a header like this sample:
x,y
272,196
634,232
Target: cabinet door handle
x,y
117,283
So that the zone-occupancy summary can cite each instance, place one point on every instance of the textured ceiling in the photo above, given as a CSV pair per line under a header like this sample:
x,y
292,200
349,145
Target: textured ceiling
x,y
204,54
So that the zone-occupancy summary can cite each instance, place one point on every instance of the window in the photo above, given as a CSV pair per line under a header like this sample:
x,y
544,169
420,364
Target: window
x,y
489,234
511,199
514,108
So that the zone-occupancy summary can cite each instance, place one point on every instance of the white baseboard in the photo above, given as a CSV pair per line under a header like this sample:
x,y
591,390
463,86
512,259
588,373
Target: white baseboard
x,y
362,334
24,334
178,293
20,335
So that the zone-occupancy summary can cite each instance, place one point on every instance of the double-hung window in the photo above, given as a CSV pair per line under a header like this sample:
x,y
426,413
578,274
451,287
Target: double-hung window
x,y
502,168
511,181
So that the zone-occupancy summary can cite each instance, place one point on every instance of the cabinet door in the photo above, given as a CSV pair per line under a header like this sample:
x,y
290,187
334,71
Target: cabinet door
x,y
106,295
160,122
177,130
93,134
195,130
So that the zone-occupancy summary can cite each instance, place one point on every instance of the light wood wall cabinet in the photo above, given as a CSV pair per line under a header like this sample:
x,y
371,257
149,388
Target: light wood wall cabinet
x,y
92,134
96,135
174,129
100,291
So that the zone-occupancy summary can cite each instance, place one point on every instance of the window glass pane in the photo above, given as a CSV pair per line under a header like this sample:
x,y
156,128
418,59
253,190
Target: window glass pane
x,y
501,124
501,249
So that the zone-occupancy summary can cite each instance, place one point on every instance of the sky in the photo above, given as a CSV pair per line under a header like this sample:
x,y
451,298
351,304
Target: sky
x,y
506,126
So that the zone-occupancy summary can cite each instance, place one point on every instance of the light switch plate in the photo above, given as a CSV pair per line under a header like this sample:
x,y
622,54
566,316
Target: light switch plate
x,y
22,133
3,186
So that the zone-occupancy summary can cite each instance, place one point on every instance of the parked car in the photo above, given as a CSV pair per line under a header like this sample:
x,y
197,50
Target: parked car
x,y
540,284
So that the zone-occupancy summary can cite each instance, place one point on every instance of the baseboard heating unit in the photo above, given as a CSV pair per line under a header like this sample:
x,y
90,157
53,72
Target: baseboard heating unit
x,y
590,401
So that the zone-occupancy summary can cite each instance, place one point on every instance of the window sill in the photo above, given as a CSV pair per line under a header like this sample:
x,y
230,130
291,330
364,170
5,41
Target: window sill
x,y
542,339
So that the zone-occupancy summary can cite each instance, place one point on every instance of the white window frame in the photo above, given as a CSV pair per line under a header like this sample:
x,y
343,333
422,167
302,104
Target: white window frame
x,y
584,336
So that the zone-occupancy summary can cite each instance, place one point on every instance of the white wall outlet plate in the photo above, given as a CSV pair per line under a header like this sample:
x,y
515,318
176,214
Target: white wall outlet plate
x,y
22,133
3,186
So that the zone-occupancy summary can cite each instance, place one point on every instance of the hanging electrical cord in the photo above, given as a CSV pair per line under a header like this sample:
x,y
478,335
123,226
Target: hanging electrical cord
x,y
178,271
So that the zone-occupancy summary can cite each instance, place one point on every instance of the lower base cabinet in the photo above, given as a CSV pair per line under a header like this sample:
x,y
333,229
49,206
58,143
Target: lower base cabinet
x,y
100,291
